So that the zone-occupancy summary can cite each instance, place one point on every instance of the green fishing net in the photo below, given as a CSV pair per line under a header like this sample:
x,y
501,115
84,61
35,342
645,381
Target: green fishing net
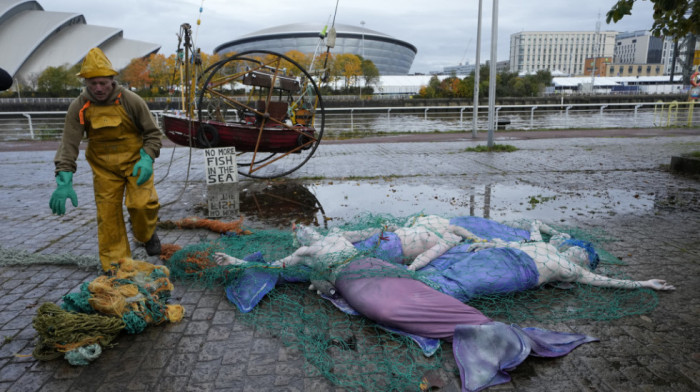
x,y
352,351
22,257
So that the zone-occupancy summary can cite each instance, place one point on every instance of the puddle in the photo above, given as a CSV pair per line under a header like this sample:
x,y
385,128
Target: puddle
x,y
265,205
501,202
333,203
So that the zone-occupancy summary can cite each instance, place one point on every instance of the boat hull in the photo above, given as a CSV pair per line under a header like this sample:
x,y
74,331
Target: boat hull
x,y
184,131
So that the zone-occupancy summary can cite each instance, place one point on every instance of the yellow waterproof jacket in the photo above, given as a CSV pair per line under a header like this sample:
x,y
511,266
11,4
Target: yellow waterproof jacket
x,y
74,131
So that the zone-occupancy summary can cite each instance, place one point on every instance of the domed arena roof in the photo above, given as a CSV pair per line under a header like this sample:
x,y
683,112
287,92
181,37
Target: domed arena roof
x,y
390,55
32,39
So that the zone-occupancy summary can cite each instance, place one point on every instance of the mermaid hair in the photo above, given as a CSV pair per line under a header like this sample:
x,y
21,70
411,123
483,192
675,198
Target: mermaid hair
x,y
593,257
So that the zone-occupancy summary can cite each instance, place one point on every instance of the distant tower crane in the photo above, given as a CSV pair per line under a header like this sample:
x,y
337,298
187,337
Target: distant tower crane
x,y
469,44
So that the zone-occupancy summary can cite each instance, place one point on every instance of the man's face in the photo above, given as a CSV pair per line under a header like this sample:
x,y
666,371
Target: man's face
x,y
100,87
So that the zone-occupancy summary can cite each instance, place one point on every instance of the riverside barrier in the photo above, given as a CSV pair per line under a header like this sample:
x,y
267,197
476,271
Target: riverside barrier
x,y
364,121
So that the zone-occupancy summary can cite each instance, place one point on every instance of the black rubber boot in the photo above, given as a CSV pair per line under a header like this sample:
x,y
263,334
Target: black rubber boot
x,y
153,245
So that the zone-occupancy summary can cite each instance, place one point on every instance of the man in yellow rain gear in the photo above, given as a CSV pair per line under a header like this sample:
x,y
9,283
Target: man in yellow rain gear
x,y
123,139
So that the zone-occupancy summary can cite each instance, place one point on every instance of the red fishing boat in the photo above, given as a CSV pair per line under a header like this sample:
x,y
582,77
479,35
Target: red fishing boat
x,y
262,103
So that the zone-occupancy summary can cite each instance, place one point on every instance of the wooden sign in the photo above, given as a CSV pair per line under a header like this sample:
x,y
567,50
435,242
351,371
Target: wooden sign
x,y
221,165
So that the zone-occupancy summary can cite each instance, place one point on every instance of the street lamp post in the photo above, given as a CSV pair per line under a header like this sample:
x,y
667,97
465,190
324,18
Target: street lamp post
x,y
362,23
477,67
492,72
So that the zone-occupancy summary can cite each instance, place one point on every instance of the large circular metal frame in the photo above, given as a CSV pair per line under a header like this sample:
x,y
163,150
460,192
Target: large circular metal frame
x,y
267,106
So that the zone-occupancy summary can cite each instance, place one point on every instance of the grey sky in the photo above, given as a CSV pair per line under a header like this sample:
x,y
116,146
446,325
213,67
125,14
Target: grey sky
x,y
444,31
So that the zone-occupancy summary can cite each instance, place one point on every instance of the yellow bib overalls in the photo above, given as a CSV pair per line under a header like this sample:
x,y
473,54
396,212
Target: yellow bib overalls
x,y
113,148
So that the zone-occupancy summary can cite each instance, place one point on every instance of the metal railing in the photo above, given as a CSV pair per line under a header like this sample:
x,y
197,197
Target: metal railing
x,y
675,114
363,121
373,120
31,125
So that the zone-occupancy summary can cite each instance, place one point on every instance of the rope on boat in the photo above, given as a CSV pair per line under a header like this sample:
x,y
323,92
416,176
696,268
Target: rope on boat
x,y
190,123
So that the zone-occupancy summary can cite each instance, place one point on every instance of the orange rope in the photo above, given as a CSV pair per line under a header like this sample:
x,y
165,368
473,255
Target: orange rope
x,y
167,251
210,224
198,262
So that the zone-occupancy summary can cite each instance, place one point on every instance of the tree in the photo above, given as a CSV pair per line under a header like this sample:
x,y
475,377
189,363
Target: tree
x,y
349,67
157,74
300,58
56,81
209,59
468,86
160,71
137,74
433,88
370,73
484,71
450,87
675,18
543,77
508,84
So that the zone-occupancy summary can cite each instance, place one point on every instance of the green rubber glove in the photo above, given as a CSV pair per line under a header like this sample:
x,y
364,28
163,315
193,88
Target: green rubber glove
x,y
145,165
63,191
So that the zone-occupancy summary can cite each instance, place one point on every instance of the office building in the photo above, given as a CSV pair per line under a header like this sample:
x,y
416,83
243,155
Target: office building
x,y
560,52
640,47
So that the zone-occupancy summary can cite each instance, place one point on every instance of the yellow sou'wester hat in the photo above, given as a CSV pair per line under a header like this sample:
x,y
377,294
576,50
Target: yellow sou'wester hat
x,y
96,64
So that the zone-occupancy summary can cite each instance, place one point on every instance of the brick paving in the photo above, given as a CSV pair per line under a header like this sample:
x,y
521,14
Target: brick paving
x,y
655,227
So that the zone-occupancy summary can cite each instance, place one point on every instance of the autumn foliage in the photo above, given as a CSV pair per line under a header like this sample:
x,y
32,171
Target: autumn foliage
x,y
507,84
157,74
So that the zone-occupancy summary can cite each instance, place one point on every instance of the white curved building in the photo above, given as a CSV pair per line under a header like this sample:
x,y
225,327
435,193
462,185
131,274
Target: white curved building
x,y
32,39
391,56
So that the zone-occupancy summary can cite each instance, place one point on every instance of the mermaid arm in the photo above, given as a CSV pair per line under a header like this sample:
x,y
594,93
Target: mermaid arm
x,y
429,255
578,274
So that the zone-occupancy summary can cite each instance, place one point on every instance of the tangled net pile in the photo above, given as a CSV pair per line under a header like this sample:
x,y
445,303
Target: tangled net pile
x,y
352,351
133,297
22,257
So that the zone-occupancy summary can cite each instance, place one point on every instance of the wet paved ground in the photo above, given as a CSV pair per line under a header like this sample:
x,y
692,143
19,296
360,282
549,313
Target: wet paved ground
x,y
621,185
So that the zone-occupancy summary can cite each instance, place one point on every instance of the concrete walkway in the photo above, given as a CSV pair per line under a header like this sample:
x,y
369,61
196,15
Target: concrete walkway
x,y
655,224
